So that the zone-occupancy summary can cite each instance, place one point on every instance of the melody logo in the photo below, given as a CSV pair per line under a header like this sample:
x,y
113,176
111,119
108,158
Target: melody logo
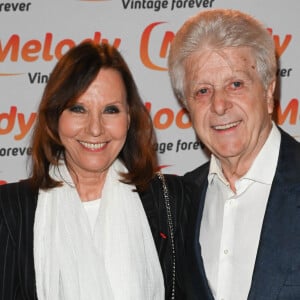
x,y
46,49
154,29
12,118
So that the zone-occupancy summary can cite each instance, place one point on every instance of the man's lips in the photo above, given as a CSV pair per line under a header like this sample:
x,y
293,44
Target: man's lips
x,y
226,126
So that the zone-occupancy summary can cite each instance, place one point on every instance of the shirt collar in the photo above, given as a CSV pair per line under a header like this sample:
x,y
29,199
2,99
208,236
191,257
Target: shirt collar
x,y
215,169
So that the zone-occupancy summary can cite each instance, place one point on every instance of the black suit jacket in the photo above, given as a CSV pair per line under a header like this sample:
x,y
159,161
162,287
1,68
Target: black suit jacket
x,y
17,209
277,268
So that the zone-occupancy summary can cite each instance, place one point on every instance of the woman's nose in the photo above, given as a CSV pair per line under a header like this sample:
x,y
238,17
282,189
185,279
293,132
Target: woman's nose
x,y
95,125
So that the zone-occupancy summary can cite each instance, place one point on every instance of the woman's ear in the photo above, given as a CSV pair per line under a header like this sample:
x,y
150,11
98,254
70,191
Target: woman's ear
x,y
128,121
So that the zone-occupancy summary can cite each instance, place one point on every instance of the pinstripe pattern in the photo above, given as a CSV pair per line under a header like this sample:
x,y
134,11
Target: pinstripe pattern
x,y
17,279
17,209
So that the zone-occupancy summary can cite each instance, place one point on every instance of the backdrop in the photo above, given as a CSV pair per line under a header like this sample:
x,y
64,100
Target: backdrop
x,y
34,35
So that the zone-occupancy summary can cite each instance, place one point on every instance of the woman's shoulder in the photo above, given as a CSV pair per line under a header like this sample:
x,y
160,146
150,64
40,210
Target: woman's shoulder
x,y
162,189
18,195
164,184
19,187
172,181
18,201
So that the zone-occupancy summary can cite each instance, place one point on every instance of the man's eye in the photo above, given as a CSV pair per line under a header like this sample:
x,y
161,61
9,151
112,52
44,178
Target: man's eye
x,y
237,84
77,108
203,91
112,109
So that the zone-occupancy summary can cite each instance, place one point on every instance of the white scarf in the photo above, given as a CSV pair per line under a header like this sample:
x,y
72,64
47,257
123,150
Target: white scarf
x,y
116,261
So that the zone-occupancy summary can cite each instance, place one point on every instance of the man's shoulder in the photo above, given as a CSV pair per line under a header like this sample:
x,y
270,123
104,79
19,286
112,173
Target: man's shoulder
x,y
288,139
289,148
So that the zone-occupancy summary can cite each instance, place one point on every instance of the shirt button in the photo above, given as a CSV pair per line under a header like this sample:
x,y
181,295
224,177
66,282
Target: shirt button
x,y
225,252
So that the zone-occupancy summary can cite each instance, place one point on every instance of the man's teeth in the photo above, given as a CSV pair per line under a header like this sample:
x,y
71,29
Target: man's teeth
x,y
92,146
226,126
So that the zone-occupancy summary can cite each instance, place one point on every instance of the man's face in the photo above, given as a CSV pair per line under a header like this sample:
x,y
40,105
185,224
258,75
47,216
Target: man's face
x,y
229,107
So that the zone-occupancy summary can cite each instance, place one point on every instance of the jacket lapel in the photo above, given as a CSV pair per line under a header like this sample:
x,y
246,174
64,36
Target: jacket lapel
x,y
280,238
19,204
27,203
196,186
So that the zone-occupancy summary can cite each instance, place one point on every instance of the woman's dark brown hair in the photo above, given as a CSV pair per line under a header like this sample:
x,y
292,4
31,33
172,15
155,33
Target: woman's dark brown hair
x,y
69,79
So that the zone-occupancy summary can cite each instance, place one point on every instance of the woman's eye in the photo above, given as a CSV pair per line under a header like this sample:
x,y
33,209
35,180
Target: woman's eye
x,y
77,108
111,109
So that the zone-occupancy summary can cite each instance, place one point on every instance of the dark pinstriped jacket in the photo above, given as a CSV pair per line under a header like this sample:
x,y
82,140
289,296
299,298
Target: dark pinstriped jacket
x,y
17,209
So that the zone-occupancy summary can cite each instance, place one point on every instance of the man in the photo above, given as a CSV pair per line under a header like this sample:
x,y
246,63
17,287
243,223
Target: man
x,y
243,230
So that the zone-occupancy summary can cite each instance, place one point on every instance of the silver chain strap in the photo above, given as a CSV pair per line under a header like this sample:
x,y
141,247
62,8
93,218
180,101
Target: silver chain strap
x,y
171,230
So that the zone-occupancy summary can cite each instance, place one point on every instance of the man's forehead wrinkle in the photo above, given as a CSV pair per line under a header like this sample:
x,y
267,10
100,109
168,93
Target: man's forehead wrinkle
x,y
197,69
220,60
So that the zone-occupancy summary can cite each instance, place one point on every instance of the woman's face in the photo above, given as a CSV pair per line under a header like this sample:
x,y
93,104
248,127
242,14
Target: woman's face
x,y
93,130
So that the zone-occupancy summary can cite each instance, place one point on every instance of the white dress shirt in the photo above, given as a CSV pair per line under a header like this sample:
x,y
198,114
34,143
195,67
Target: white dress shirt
x,y
231,223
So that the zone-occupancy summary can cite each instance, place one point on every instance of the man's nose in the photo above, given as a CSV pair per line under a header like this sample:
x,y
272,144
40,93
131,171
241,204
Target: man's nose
x,y
220,102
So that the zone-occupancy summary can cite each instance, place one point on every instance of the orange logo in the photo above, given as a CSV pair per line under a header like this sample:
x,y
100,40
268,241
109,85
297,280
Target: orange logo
x,y
47,50
165,118
145,46
291,110
151,30
12,118
280,47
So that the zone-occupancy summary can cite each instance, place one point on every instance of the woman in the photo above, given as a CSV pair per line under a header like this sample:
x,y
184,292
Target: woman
x,y
77,228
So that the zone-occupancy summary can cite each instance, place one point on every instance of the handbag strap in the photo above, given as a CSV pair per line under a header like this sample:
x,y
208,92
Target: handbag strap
x,y
171,229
